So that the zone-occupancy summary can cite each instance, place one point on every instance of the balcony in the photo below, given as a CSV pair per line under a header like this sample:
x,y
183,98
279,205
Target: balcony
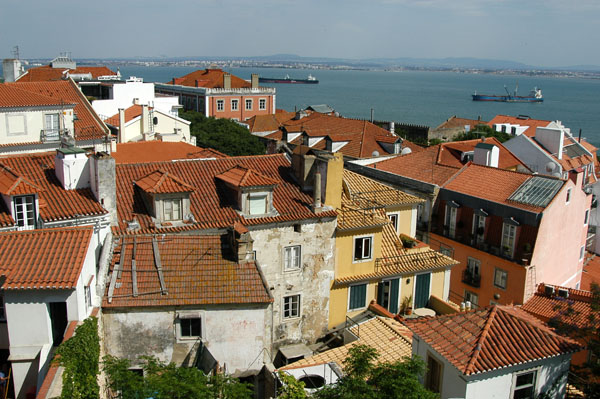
x,y
52,135
470,278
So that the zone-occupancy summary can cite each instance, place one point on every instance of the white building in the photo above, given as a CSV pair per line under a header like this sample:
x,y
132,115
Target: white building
x,y
498,352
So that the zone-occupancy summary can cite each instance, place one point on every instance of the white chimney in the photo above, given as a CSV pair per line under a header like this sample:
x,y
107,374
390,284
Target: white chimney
x,y
145,125
12,69
121,138
72,168
486,155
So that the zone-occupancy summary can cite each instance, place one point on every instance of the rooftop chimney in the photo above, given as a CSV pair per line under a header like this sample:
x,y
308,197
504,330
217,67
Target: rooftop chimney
x,y
254,81
72,168
145,122
317,193
103,183
121,138
227,80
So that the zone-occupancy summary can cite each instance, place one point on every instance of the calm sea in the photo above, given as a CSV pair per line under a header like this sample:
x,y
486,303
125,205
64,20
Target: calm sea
x,y
423,98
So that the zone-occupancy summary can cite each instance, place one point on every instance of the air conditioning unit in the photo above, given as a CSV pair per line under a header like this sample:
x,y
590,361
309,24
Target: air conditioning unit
x,y
549,290
563,292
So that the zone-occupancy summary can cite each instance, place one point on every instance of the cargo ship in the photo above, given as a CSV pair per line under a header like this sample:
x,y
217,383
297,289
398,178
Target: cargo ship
x,y
535,96
310,80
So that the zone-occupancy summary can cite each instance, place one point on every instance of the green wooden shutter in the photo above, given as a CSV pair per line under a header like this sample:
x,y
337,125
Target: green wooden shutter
x,y
394,291
422,290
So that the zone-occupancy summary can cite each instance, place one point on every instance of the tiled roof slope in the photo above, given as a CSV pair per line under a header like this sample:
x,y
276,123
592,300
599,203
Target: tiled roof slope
x,y
130,114
56,203
514,120
161,182
13,184
490,338
367,192
196,270
43,259
209,78
211,201
46,73
158,151
449,154
362,135
455,121
88,125
503,183
269,122
239,176
12,97
391,339
575,310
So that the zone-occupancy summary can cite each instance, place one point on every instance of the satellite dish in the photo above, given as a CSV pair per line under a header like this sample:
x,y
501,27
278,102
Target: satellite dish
x,y
375,153
550,166
405,151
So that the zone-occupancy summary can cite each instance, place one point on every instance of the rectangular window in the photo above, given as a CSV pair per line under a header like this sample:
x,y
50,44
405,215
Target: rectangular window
x,y
262,104
291,257
190,328
358,297
581,252
500,277
568,196
445,250
87,290
472,297
478,228
394,219
473,266
258,204
172,209
248,104
362,248
451,220
24,212
220,105
291,306
234,105
509,232
524,385
586,218
433,379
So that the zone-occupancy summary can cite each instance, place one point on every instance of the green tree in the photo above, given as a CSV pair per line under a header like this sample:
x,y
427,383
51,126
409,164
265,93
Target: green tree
x,y
167,381
223,135
291,388
482,131
79,356
363,379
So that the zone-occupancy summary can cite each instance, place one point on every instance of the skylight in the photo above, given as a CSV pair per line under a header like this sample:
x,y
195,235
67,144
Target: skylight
x,y
536,191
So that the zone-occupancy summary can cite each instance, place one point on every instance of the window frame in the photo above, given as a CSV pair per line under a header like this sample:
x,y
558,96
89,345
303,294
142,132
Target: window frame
x,y
262,104
236,102
506,232
171,217
256,197
220,105
471,295
248,104
350,290
363,258
586,217
428,375
29,222
568,200
473,265
450,219
503,272
394,218
478,221
533,385
289,307
291,261
190,328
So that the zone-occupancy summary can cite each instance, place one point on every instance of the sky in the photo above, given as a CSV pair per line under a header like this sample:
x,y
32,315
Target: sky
x,y
543,33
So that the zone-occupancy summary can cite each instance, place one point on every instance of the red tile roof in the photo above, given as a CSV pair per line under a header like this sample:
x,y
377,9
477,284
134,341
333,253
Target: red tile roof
x,y
514,120
575,310
46,73
455,121
364,137
591,271
209,78
43,259
56,203
162,182
12,97
130,114
505,182
450,153
239,176
196,271
269,122
13,184
158,151
491,338
210,202
88,125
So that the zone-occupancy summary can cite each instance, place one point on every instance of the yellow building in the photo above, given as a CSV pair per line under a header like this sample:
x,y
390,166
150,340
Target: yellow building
x,y
375,257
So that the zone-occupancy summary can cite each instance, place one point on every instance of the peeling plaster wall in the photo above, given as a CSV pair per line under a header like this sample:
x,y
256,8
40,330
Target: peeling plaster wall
x,y
312,280
234,335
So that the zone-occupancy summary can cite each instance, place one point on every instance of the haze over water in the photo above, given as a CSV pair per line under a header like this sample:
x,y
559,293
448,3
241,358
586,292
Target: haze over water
x,y
422,97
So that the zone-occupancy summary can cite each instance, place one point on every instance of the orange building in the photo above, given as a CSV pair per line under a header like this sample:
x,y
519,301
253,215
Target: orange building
x,y
217,93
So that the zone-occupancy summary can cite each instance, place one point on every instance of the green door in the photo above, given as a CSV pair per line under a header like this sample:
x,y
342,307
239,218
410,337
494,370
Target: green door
x,y
387,294
422,290
394,291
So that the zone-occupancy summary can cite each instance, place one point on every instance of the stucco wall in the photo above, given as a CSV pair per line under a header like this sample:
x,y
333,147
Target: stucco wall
x,y
35,122
234,336
312,281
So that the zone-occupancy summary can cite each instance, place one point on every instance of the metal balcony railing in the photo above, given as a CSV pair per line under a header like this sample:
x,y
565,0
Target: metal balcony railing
x,y
470,278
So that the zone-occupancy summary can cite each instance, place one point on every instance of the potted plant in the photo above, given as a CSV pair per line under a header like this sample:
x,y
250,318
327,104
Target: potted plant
x,y
406,307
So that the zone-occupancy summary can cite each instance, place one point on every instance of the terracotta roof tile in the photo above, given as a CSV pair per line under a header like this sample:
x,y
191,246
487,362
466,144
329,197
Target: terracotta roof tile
x,y
576,308
210,201
47,73
12,96
270,122
43,259
56,203
450,153
392,340
161,182
130,114
210,78
13,184
240,176
490,338
591,271
88,125
514,120
365,192
158,151
197,270
455,121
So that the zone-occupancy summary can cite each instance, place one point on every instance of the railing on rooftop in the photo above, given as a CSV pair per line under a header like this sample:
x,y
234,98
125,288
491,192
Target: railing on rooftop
x,y
52,135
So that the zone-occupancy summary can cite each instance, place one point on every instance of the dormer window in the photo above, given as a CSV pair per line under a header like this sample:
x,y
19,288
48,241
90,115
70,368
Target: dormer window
x,y
24,212
20,197
167,197
253,190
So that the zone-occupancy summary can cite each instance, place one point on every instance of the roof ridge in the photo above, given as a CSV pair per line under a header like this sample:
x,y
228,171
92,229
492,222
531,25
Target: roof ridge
x,y
482,338
387,322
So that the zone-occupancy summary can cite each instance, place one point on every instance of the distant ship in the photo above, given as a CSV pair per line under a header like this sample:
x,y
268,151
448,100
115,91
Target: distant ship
x,y
310,80
535,96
